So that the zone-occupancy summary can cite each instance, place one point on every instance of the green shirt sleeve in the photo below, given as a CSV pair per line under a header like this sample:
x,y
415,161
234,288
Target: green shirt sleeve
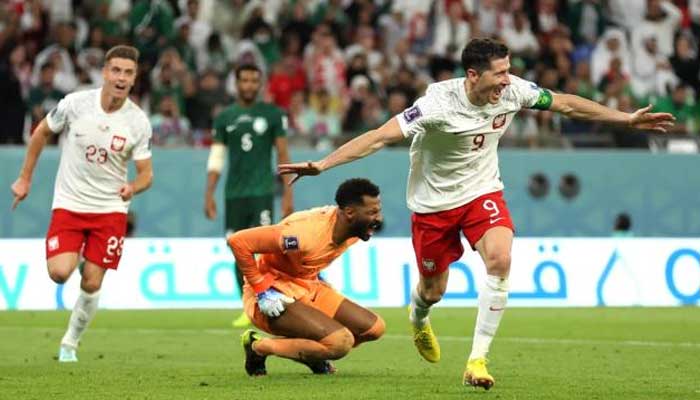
x,y
281,124
219,130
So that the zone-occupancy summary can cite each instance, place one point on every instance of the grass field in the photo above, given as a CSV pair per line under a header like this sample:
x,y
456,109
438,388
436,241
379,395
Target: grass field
x,y
602,353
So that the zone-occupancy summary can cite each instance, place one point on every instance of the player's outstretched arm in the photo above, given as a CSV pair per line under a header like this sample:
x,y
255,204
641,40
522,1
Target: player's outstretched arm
x,y
577,107
20,188
359,147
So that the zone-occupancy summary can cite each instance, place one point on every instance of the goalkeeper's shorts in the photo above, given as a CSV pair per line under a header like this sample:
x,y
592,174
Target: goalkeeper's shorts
x,y
314,293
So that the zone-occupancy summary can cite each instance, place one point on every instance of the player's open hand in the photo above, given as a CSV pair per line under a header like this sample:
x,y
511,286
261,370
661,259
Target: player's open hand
x,y
126,192
20,189
210,207
645,120
300,169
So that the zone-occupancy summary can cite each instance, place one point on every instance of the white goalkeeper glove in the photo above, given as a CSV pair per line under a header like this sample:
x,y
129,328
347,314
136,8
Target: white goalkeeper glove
x,y
273,303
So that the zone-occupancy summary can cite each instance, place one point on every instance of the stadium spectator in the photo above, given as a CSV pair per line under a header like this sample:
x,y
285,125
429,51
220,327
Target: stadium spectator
x,y
45,96
685,62
320,122
451,31
586,20
394,44
682,105
170,128
209,99
16,71
287,78
521,39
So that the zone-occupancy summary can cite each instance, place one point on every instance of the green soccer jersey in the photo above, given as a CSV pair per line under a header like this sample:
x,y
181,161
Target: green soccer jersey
x,y
249,133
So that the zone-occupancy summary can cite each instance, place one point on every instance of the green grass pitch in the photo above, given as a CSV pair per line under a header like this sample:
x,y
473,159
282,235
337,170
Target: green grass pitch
x,y
600,353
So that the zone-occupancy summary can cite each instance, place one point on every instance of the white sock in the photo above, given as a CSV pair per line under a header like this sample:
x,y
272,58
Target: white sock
x,y
83,312
419,310
492,303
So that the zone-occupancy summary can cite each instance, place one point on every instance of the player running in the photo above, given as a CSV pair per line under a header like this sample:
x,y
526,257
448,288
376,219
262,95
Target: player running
x,y
102,131
248,130
283,294
454,184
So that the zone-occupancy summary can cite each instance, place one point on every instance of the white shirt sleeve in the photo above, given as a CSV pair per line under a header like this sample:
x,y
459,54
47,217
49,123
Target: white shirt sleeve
x,y
58,117
413,119
526,93
142,149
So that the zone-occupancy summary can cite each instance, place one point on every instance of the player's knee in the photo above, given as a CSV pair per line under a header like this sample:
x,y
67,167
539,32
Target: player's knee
x,y
90,285
59,275
338,343
432,295
498,264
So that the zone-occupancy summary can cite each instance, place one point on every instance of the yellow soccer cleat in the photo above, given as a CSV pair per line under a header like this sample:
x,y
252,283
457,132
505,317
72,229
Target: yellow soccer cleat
x,y
427,343
476,374
242,321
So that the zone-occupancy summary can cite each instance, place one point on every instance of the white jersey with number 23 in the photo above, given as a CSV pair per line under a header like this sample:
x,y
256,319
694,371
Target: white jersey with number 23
x,y
96,148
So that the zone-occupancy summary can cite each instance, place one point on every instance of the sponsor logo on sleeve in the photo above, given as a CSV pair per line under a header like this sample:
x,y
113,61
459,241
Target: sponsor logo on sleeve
x,y
118,143
290,242
412,114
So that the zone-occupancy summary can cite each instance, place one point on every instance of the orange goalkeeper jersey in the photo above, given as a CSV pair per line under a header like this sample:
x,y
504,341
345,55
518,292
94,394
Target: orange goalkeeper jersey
x,y
297,248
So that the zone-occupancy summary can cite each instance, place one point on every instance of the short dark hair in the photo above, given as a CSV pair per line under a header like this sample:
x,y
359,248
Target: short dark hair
x,y
123,51
247,67
351,191
479,52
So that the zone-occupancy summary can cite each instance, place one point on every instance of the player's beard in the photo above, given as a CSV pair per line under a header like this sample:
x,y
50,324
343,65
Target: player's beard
x,y
249,96
365,230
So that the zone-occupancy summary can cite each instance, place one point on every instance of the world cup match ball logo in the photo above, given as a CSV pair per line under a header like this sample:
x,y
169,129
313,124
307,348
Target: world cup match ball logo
x,y
118,143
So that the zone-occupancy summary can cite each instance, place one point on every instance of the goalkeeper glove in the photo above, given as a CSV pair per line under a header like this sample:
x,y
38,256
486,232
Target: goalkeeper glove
x,y
272,303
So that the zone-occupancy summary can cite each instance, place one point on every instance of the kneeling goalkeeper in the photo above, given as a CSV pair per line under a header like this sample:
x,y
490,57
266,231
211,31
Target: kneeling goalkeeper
x,y
283,295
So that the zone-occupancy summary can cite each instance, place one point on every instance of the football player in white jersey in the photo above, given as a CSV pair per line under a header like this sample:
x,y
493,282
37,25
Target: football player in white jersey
x,y
102,131
454,183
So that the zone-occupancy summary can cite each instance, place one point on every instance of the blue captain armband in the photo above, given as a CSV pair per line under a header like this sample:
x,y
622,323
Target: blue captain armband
x,y
544,101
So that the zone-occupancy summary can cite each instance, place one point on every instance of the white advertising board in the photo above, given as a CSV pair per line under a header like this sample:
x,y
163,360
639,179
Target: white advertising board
x,y
547,272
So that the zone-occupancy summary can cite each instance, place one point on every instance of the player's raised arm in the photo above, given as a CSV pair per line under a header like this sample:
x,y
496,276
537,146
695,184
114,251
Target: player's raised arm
x,y
580,108
359,147
20,188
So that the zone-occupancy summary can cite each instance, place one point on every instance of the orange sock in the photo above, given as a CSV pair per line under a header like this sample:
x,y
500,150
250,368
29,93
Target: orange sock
x,y
331,347
373,333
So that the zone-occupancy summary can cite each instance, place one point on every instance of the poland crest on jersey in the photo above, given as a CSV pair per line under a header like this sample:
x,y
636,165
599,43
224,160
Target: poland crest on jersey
x,y
499,121
118,143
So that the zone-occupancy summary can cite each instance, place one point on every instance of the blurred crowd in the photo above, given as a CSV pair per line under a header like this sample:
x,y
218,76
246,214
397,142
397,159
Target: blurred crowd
x,y
340,67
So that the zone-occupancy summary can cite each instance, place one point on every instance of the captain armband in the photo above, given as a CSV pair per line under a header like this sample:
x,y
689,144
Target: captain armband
x,y
544,101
